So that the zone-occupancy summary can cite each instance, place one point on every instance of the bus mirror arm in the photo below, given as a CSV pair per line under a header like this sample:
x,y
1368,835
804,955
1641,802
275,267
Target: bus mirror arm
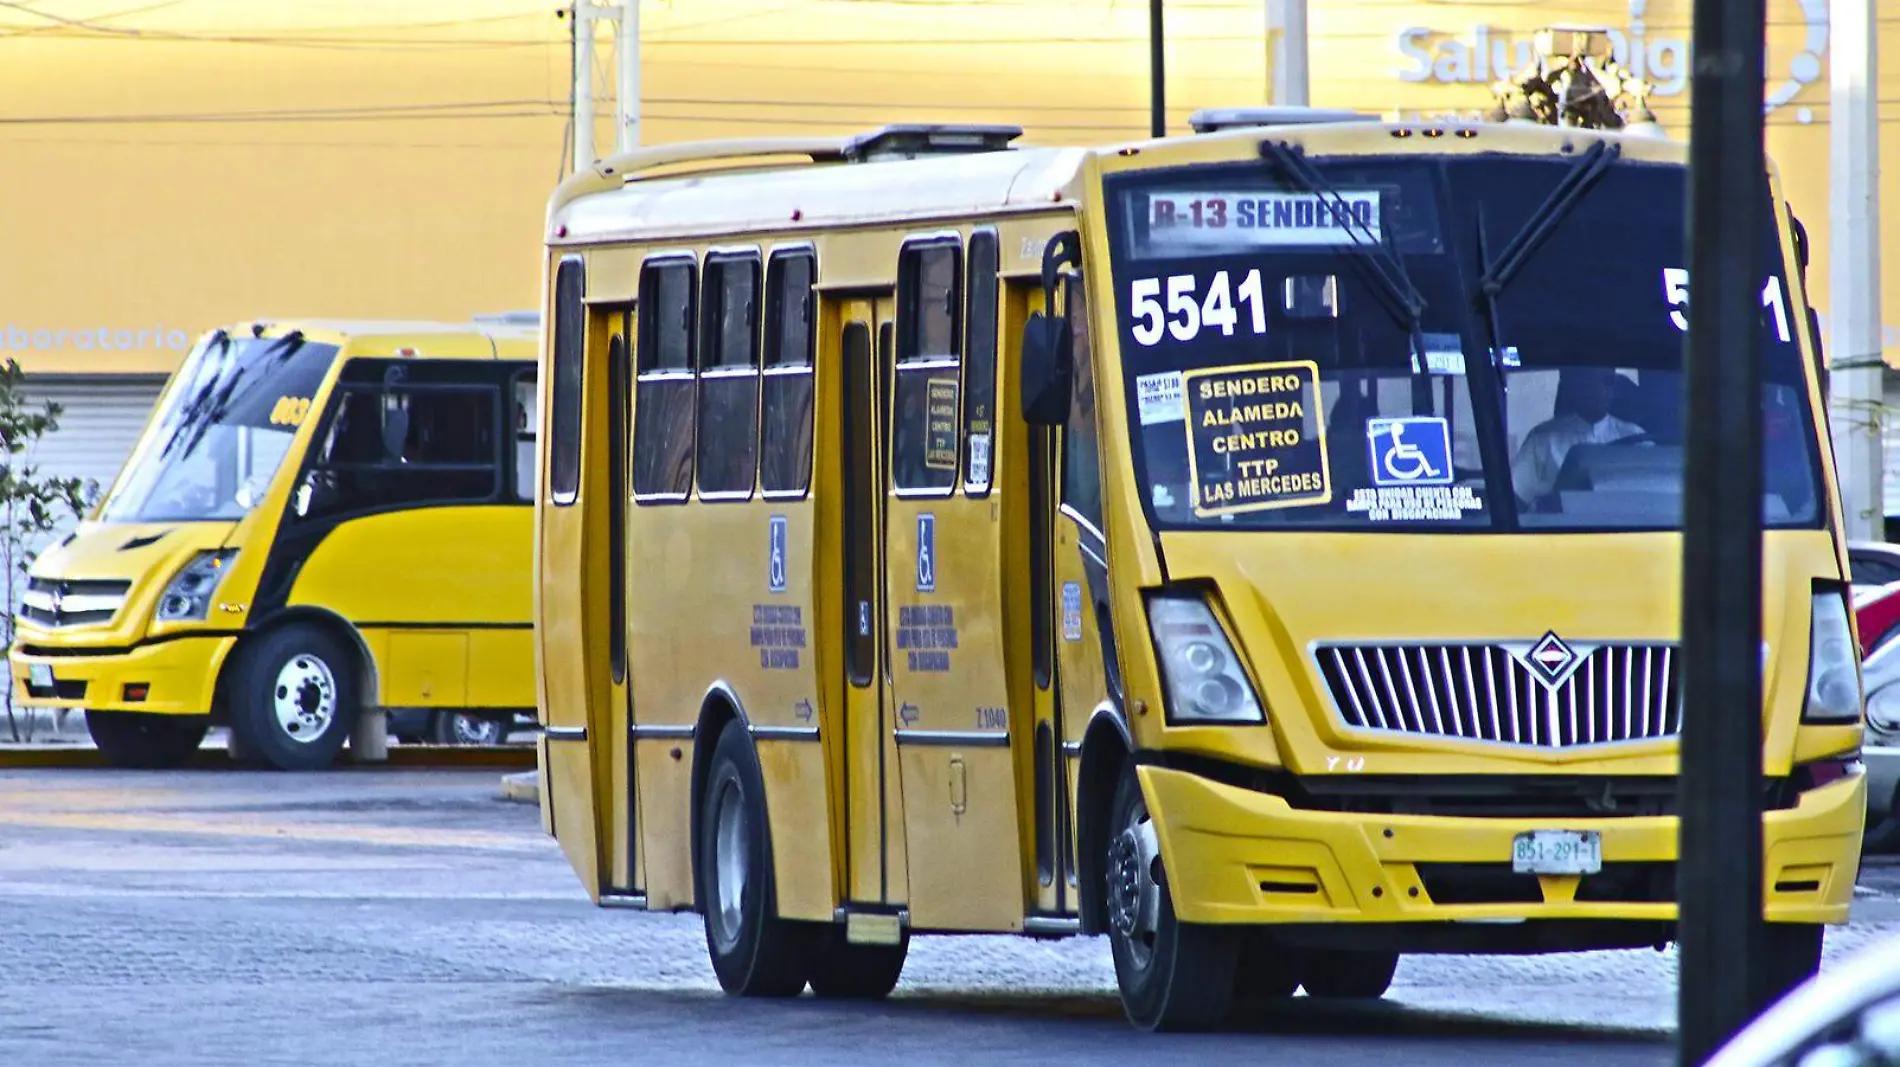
x,y
1048,355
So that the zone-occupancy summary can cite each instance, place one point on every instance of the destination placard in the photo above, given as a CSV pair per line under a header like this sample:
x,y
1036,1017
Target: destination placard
x,y
940,449
1183,221
1255,439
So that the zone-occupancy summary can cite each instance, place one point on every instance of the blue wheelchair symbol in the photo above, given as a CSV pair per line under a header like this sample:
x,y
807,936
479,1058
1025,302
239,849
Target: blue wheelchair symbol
x,y
775,559
1414,451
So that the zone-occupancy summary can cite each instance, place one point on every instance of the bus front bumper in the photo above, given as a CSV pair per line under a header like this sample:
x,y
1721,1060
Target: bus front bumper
x,y
178,677
1233,855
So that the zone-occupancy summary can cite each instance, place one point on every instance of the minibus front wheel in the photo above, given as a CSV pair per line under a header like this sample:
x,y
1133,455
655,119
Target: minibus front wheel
x,y
1173,975
295,697
754,952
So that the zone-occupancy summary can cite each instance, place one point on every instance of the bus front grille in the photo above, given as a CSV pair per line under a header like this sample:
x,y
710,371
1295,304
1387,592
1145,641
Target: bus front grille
x,y
77,602
1545,694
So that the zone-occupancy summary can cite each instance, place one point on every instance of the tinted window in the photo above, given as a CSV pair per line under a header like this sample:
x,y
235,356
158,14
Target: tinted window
x,y
729,377
527,417
979,363
926,411
570,331
1081,473
663,409
401,445
786,404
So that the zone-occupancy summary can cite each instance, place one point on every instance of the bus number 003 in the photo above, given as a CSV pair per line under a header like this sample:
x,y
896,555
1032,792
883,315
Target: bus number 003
x,y
1676,291
289,410
1189,309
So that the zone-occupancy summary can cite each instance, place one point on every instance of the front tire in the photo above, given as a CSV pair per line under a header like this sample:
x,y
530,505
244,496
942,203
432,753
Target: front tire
x,y
1173,975
754,952
294,698
1791,954
143,741
1350,975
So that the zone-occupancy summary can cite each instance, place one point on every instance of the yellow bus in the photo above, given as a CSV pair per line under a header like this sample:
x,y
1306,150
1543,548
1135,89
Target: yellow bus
x,y
1259,547
320,518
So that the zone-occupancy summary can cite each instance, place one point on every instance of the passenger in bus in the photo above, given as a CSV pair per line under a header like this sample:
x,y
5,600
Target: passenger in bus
x,y
1580,415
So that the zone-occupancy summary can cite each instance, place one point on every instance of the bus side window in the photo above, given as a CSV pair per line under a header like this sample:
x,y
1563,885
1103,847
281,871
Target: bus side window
x,y
663,408
979,364
405,446
570,317
785,449
1081,470
527,417
924,437
728,438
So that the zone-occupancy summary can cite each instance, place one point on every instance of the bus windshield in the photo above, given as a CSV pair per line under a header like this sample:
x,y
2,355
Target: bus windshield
x,y
1313,348
224,431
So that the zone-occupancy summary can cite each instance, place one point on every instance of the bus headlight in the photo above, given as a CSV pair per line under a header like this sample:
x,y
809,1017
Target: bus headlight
x,y
188,597
1833,668
1204,680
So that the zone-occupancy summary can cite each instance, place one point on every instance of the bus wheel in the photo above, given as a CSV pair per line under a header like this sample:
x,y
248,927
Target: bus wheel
x,y
1350,975
295,699
754,952
845,971
1173,976
464,728
139,740
1791,954
1269,971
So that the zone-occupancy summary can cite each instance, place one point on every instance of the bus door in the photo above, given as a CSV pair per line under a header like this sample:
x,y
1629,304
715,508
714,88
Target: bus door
x,y
945,590
619,828
872,802
1076,604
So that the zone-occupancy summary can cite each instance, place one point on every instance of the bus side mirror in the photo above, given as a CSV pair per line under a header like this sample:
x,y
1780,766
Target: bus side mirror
x,y
1821,369
1047,368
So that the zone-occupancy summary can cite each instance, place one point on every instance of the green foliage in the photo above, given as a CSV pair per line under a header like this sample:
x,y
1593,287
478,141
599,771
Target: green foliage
x,y
32,505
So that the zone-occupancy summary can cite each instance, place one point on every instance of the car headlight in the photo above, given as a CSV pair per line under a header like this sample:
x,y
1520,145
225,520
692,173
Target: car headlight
x,y
1204,680
1883,710
1833,666
188,597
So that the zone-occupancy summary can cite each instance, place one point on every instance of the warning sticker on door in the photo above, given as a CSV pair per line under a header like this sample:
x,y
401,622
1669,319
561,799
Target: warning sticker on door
x,y
1158,398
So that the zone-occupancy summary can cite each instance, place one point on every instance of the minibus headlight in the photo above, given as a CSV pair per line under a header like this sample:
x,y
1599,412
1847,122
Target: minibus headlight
x,y
1203,676
188,597
1833,668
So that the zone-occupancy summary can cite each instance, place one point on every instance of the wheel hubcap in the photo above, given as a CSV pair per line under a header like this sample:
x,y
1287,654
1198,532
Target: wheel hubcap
x,y
731,866
305,698
1134,895
474,730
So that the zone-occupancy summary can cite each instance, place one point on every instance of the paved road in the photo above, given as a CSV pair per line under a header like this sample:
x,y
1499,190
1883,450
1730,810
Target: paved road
x,y
384,918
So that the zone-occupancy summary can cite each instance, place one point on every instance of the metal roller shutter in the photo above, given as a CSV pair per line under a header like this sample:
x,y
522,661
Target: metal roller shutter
x,y
101,421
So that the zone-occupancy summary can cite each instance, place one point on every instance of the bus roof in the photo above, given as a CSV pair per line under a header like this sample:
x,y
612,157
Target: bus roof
x,y
416,339
734,187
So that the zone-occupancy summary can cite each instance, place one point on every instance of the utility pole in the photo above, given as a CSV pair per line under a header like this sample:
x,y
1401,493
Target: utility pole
x,y
1854,267
627,93
1157,73
1719,873
1286,53
583,20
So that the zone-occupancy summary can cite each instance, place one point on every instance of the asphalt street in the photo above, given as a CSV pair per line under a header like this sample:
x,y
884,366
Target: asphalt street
x,y
382,917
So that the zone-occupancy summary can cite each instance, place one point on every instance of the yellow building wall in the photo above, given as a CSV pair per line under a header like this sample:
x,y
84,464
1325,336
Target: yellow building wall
x,y
207,160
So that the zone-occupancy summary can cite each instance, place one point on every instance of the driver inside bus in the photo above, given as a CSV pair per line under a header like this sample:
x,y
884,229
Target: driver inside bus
x,y
1580,415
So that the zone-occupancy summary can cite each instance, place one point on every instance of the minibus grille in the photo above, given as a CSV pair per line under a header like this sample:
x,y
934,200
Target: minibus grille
x,y
1502,694
81,602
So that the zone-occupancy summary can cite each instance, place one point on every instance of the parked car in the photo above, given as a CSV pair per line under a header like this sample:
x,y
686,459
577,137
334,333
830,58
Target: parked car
x,y
443,726
1871,563
1847,1016
1877,615
1880,679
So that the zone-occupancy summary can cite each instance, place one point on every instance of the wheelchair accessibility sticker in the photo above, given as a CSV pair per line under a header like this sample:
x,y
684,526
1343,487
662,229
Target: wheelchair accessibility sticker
x,y
1411,474
1413,451
926,553
775,559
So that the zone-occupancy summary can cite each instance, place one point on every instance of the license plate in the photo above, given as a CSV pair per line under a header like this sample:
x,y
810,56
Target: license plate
x,y
41,675
1557,852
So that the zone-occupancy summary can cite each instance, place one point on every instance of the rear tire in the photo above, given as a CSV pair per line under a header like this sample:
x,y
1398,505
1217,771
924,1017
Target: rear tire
x,y
1791,954
465,728
754,952
844,971
1173,976
143,741
294,698
1350,975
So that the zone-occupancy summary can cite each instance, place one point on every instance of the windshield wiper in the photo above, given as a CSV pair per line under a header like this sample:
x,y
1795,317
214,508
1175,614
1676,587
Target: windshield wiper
x,y
1380,261
1582,175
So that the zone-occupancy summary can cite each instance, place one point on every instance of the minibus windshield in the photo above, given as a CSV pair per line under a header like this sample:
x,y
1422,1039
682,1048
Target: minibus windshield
x,y
226,426
1282,375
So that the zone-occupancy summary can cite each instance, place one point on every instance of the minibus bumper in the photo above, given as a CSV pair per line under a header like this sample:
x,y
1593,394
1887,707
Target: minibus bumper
x,y
179,676
1233,855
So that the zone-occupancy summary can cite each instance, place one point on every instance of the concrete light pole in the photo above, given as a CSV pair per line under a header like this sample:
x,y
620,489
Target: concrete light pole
x,y
1854,267
1287,53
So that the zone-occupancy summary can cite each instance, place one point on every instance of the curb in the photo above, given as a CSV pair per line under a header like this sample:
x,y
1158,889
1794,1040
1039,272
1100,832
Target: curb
x,y
524,788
